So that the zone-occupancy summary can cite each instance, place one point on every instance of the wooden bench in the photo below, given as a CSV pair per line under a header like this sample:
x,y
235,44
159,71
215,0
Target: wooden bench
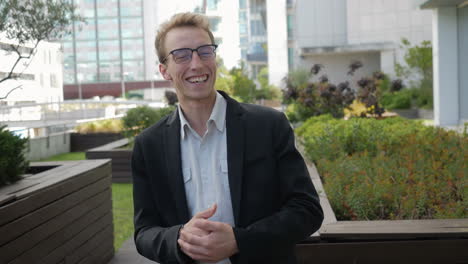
x,y
121,159
61,215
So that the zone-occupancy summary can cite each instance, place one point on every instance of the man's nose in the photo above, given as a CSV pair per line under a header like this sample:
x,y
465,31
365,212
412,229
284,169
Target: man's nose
x,y
196,60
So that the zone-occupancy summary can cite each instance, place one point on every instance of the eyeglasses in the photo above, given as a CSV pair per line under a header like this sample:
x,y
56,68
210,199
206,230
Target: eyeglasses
x,y
184,55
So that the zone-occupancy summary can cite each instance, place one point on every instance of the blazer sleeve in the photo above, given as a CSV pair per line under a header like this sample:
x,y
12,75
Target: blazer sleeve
x,y
300,213
152,240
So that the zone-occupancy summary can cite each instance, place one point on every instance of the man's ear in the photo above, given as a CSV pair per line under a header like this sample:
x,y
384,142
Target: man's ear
x,y
163,71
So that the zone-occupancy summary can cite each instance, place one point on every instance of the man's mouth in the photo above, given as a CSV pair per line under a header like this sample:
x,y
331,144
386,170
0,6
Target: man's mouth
x,y
198,79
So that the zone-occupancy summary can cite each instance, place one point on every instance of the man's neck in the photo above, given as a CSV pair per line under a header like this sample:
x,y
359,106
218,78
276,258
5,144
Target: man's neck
x,y
197,113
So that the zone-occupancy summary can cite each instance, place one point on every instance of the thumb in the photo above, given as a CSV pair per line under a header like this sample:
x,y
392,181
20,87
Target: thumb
x,y
208,212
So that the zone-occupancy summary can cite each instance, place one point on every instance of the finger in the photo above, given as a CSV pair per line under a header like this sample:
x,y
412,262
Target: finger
x,y
195,252
193,239
195,230
207,213
208,225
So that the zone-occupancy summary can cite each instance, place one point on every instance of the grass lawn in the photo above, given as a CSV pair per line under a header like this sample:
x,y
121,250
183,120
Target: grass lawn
x,y
67,156
122,202
122,207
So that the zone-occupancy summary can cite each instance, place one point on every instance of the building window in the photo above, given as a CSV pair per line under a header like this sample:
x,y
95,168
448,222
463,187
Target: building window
x,y
291,58
244,41
107,8
16,76
257,28
132,49
243,29
109,50
212,4
53,81
108,28
214,23
132,27
290,26
242,4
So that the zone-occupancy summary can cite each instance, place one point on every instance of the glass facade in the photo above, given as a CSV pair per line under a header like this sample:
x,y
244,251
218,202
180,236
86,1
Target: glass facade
x,y
109,46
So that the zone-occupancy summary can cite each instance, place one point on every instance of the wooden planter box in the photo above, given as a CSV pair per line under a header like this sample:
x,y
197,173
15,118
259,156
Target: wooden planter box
x,y
121,159
83,142
405,241
60,214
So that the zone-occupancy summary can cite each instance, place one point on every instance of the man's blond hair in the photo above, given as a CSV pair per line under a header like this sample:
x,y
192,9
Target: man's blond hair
x,y
180,20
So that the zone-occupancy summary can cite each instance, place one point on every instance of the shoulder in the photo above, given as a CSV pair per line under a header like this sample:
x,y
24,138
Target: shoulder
x,y
258,111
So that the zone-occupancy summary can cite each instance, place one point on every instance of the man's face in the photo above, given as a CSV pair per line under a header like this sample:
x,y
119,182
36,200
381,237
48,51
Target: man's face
x,y
194,80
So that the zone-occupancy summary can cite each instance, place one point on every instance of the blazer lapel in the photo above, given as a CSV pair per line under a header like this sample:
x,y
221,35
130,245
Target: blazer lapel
x,y
174,164
235,152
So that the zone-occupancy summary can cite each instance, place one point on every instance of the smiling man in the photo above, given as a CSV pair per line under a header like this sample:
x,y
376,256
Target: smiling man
x,y
216,181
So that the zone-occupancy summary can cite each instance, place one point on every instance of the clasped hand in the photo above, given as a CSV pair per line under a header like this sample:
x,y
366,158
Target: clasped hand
x,y
205,240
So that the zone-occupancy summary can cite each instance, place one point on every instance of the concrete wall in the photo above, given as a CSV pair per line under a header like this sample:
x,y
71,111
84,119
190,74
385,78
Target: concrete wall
x,y
336,65
320,23
277,41
446,57
463,61
44,147
387,20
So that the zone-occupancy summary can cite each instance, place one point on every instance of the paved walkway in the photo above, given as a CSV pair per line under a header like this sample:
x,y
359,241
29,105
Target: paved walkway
x,y
128,254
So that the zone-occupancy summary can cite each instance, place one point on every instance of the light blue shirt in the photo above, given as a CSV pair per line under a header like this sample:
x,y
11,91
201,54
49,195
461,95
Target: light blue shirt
x,y
204,166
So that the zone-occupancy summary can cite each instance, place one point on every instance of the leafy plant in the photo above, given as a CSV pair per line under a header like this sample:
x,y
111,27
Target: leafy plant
x,y
322,97
12,160
397,100
142,117
266,91
388,169
101,126
418,70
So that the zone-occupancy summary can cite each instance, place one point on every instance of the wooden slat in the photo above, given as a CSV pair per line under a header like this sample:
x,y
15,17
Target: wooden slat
x,y
402,252
80,239
10,191
101,254
42,197
31,238
83,251
68,170
391,229
22,225
112,145
60,237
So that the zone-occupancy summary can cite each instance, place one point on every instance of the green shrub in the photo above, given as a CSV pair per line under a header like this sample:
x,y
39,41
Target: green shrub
x,y
389,169
12,161
101,126
397,100
139,118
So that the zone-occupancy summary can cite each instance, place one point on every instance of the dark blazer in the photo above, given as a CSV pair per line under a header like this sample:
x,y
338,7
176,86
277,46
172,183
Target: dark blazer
x,y
274,202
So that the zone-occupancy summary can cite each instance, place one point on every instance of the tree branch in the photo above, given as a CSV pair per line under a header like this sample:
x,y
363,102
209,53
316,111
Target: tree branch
x,y
17,87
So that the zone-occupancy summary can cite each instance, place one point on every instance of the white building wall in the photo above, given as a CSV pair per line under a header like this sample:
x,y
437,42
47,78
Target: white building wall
x,y
228,32
463,61
367,22
150,21
321,23
445,54
374,21
45,66
336,66
277,41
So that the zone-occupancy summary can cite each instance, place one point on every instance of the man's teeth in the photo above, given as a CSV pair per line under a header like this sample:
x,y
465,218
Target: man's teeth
x,y
198,79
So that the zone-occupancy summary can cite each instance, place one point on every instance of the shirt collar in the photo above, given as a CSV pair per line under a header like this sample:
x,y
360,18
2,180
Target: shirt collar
x,y
218,115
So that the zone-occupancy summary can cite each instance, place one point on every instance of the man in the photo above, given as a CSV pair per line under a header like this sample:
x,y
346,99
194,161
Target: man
x,y
216,181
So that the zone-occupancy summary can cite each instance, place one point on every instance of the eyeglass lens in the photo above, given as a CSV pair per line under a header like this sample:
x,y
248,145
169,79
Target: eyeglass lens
x,y
185,55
